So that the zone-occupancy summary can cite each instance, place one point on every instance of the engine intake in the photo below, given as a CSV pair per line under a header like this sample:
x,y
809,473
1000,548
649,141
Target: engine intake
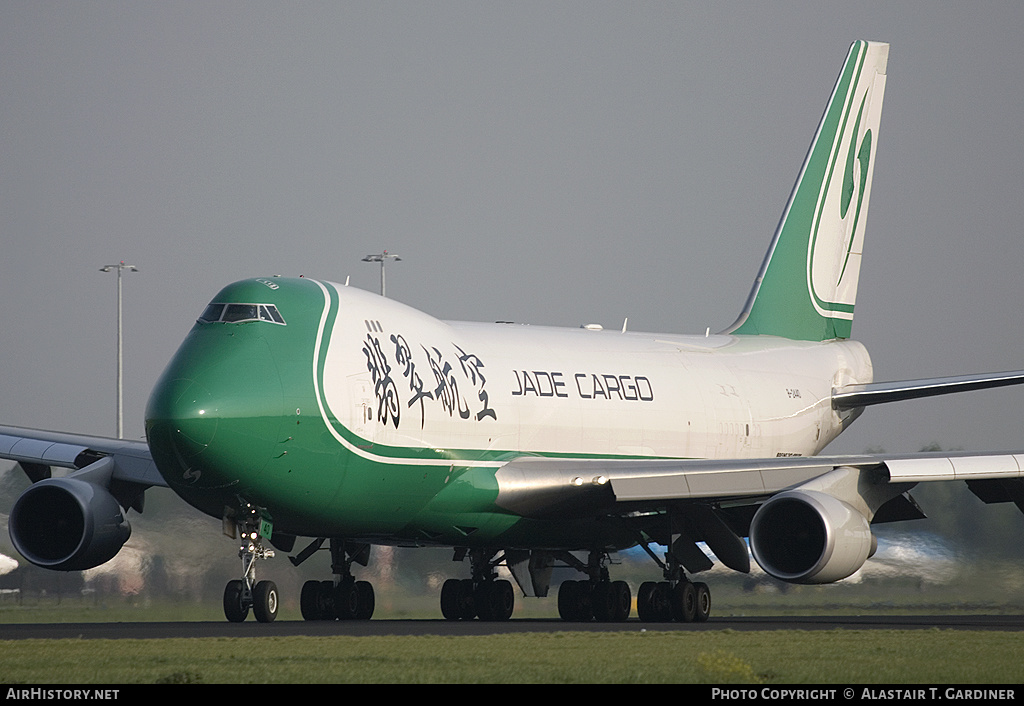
x,y
805,536
68,524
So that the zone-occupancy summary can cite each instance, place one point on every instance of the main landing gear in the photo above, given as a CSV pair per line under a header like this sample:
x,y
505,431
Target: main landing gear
x,y
596,598
674,599
242,594
484,596
344,598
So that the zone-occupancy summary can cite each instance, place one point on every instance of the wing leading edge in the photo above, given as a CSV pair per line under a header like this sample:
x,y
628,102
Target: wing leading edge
x,y
38,450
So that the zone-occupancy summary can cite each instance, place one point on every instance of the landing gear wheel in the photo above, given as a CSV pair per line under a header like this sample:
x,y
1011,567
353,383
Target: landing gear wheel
x,y
482,601
309,600
654,602
451,599
346,600
457,599
621,602
644,602
684,602
265,601
575,602
468,600
703,606
611,601
365,600
495,600
234,609
503,600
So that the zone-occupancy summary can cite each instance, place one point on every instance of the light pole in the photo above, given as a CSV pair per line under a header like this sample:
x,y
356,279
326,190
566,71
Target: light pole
x,y
381,259
120,347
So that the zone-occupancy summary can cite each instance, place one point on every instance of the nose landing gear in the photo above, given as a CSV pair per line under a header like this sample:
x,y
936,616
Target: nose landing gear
x,y
246,593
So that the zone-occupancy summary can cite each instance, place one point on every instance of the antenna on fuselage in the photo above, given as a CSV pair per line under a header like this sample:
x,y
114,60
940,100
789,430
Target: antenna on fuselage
x,y
381,258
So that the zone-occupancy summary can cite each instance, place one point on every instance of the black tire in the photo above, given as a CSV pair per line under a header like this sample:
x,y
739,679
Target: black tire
x,y
612,601
365,599
503,600
468,606
703,602
622,602
265,601
482,600
602,601
451,599
654,602
234,609
569,601
325,601
684,602
346,600
645,608
309,600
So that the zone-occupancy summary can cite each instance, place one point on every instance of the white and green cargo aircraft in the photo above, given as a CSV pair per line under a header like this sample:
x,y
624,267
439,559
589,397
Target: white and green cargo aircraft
x,y
307,413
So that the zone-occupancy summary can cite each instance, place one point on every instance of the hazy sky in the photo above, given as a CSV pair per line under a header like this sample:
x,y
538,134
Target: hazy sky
x,y
541,162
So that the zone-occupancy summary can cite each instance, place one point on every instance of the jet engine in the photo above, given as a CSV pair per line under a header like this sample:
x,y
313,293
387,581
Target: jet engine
x,y
806,536
68,524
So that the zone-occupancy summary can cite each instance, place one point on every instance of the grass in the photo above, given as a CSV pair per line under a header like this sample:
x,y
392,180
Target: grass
x,y
770,657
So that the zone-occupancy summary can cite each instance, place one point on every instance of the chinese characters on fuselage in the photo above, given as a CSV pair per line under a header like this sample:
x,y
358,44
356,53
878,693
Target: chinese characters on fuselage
x,y
445,390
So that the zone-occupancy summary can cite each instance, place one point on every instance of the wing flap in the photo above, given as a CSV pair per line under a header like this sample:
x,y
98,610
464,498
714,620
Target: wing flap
x,y
724,480
968,467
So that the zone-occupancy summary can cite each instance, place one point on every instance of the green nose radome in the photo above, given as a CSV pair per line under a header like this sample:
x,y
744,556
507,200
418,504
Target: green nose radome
x,y
212,420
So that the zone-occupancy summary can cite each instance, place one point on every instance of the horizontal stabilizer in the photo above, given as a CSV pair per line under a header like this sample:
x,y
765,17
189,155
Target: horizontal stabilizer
x,y
853,396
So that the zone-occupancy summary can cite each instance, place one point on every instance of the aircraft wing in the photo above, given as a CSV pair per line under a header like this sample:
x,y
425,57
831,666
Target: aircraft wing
x,y
807,518
543,487
38,451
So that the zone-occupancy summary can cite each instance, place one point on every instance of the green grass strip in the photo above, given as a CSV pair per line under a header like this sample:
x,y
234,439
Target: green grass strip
x,y
769,657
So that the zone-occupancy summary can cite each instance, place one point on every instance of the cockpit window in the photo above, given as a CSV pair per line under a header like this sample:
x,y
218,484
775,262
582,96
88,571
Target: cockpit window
x,y
240,313
269,312
237,313
212,313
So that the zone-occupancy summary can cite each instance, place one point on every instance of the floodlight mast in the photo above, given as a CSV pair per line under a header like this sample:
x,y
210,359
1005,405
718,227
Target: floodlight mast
x,y
381,258
120,344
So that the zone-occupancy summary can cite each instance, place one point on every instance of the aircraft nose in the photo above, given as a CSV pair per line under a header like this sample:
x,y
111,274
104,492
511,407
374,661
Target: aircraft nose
x,y
213,417
185,415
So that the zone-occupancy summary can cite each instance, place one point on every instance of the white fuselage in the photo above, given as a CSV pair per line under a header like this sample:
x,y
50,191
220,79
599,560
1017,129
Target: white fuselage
x,y
399,378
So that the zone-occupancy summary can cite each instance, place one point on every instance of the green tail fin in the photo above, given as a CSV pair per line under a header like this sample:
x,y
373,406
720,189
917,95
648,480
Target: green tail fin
x,y
807,285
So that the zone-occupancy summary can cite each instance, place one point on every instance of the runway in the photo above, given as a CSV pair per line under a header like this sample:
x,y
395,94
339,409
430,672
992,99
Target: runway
x,y
153,630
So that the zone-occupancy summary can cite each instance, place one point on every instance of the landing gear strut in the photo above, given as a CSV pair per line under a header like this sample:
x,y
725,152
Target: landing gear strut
x,y
484,596
242,594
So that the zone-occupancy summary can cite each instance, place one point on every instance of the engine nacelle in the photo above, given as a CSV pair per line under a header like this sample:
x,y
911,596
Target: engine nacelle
x,y
68,524
805,536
